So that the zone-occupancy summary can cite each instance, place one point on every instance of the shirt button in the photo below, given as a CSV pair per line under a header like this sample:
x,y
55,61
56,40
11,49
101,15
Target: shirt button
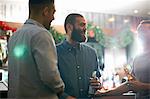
x,y
78,66
79,78
81,89
69,49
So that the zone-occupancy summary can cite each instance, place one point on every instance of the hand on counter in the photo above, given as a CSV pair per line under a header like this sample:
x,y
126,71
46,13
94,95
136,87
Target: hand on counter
x,y
114,91
101,92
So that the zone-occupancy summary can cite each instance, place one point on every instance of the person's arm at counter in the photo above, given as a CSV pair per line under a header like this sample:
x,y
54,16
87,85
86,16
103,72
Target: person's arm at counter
x,y
116,91
138,86
134,86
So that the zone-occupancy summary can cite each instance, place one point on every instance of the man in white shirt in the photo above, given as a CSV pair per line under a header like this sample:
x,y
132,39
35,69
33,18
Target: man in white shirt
x,y
32,59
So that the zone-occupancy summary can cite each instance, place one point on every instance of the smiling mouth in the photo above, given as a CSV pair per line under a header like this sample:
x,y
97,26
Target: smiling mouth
x,y
82,33
50,22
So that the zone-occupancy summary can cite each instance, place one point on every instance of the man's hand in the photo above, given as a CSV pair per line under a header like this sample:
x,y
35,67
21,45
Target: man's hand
x,y
95,83
71,97
101,92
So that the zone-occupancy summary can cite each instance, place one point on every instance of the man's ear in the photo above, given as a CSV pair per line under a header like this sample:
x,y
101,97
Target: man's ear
x,y
69,27
46,11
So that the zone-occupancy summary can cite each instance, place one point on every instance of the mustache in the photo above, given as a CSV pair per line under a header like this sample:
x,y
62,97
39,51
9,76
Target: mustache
x,y
78,35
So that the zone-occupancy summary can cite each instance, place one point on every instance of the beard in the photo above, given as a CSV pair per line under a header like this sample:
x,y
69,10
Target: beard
x,y
47,26
77,35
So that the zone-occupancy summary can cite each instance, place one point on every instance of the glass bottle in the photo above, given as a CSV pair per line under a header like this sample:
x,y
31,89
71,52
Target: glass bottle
x,y
127,69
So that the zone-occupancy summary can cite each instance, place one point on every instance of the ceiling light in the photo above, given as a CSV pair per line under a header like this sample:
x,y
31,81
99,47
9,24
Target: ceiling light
x,y
136,11
112,19
126,20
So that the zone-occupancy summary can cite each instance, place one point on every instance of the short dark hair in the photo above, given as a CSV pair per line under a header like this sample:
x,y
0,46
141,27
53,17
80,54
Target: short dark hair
x,y
40,2
71,18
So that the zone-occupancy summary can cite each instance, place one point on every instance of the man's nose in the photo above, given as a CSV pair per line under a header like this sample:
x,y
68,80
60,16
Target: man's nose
x,y
84,29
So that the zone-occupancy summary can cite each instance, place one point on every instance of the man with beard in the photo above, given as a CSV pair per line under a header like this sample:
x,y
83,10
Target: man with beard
x,y
32,59
76,61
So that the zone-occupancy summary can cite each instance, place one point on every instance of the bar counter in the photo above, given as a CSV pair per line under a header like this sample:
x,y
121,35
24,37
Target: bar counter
x,y
124,96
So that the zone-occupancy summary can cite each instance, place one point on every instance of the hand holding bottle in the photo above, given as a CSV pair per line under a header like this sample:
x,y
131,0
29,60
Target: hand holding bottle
x,y
95,83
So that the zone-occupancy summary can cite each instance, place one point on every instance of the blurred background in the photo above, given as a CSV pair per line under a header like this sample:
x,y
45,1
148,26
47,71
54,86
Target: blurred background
x,y
111,29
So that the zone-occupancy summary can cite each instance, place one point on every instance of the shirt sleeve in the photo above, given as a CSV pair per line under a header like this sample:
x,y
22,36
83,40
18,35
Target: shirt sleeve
x,y
63,96
44,53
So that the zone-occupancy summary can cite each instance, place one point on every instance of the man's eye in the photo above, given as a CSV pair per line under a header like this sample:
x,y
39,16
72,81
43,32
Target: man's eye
x,y
82,24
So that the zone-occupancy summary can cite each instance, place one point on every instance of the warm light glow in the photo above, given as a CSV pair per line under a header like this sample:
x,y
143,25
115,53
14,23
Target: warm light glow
x,y
126,21
112,19
114,58
136,11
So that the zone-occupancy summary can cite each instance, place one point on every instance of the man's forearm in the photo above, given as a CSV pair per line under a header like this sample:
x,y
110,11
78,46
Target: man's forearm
x,y
145,86
119,90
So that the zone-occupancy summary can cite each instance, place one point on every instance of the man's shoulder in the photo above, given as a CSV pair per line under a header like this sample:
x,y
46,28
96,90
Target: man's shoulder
x,y
59,47
86,46
33,28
